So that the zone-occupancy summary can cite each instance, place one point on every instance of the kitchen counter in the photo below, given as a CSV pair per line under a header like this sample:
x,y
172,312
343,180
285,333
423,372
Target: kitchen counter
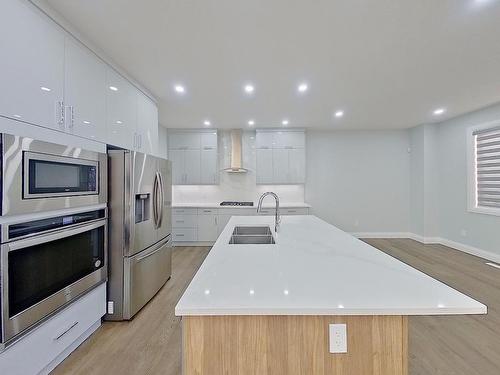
x,y
271,309
313,269
217,205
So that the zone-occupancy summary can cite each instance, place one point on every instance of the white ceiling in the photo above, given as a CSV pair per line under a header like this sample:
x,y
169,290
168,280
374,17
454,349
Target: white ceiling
x,y
386,63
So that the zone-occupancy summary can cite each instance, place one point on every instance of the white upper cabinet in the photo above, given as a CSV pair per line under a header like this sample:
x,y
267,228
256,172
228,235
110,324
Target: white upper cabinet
x,y
296,166
289,139
121,111
177,159
52,80
208,140
147,125
281,157
184,141
194,157
264,166
31,65
209,170
264,140
84,98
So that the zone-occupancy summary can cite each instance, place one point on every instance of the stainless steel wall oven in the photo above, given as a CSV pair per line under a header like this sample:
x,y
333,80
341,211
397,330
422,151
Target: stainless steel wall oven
x,y
46,263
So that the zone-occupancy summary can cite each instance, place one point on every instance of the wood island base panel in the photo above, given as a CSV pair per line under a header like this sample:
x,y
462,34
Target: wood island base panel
x,y
293,345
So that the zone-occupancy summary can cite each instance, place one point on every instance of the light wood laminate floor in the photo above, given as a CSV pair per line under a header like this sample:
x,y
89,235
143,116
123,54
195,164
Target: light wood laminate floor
x,y
456,345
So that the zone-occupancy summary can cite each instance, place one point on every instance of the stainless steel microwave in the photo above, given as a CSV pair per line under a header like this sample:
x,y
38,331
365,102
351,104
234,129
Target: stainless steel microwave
x,y
41,176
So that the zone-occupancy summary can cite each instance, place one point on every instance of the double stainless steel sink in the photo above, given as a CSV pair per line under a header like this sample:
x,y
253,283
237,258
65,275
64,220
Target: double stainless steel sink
x,y
261,235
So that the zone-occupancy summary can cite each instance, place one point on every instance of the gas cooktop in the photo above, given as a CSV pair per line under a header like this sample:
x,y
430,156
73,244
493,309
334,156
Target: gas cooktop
x,y
230,203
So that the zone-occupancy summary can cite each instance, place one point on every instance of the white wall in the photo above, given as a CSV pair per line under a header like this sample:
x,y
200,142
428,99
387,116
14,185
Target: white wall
x,y
360,180
235,186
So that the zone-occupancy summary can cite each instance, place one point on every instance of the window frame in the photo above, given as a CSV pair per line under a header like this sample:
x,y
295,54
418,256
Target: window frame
x,y
472,205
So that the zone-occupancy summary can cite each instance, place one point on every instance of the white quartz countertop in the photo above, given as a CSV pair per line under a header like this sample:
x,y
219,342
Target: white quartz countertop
x,y
217,205
313,269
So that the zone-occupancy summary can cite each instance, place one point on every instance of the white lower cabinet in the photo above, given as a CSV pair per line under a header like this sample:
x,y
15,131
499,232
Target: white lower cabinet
x,y
185,225
207,225
47,345
204,225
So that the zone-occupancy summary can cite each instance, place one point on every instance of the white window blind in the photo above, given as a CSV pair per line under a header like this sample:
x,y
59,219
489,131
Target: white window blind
x,y
487,160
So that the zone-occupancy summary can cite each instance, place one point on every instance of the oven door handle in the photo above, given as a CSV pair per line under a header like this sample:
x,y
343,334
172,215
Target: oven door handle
x,y
60,234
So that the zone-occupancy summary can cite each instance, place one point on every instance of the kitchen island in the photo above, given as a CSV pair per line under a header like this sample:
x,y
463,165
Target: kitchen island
x,y
266,309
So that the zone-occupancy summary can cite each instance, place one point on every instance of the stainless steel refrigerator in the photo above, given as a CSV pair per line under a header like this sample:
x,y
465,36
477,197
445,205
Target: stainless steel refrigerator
x,y
140,251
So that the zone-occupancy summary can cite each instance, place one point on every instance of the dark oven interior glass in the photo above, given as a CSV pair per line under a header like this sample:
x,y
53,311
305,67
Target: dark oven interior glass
x,y
39,271
57,177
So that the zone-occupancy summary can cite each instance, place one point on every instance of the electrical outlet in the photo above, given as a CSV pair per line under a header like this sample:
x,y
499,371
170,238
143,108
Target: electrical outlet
x,y
356,223
463,232
111,307
338,338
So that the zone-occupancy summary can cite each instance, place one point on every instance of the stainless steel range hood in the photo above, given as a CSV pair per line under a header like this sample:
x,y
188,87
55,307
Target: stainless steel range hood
x,y
236,152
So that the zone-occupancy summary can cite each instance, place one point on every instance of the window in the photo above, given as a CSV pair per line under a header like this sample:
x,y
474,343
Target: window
x,y
484,168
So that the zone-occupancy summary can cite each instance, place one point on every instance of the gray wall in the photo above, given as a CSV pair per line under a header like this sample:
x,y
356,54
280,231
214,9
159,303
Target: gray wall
x,y
455,222
360,180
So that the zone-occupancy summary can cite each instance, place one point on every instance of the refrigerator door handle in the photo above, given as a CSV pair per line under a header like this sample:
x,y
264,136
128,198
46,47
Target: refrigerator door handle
x,y
155,201
162,199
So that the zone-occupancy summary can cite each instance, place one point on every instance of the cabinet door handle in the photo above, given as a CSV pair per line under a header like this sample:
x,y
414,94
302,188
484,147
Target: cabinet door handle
x,y
71,116
66,331
60,113
140,141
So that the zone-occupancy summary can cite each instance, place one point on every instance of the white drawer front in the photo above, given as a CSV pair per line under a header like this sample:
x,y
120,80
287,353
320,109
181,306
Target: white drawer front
x,y
295,211
184,234
238,211
184,221
207,211
38,348
184,211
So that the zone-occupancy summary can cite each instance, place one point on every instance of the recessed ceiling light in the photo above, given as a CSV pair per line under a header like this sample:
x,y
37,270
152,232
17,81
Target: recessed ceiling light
x,y
43,88
17,116
249,88
303,87
113,88
339,113
285,122
252,292
286,292
119,122
86,122
251,122
439,111
206,123
179,89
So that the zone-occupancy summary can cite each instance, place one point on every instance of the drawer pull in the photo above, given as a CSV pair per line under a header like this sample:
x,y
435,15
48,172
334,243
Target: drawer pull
x,y
66,331
179,235
179,221
292,210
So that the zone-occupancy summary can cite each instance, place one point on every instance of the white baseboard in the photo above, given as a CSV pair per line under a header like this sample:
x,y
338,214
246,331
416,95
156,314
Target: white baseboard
x,y
381,234
471,250
433,240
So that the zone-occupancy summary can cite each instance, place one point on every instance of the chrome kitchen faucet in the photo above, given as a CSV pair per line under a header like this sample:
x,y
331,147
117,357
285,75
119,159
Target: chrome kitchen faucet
x,y
277,216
